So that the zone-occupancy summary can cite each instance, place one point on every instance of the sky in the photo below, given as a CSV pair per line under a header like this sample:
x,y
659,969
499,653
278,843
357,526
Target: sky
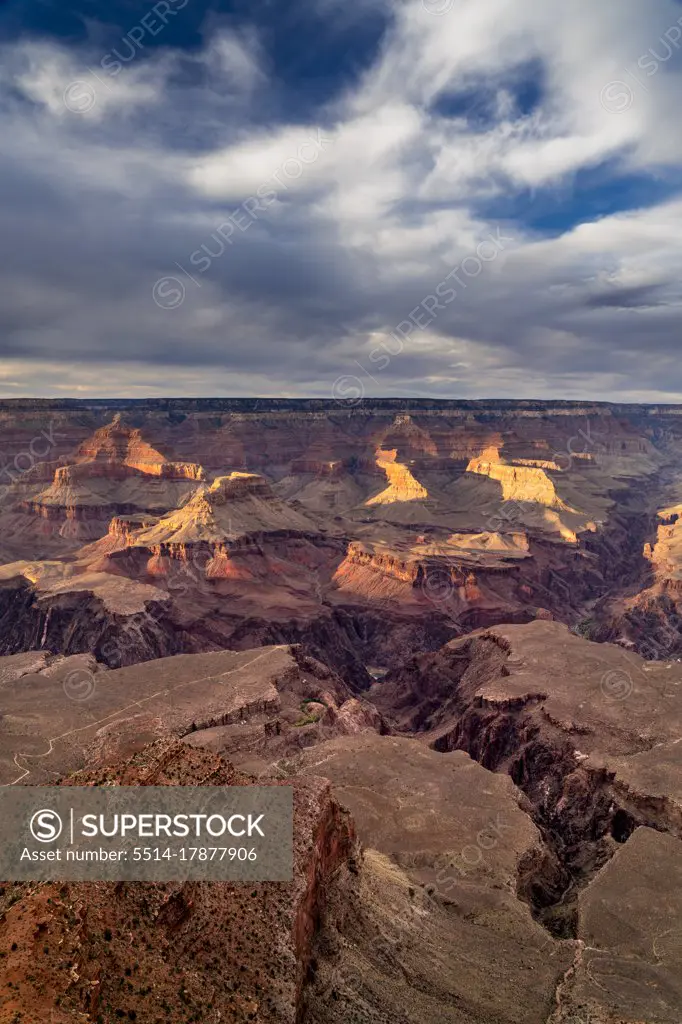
x,y
319,198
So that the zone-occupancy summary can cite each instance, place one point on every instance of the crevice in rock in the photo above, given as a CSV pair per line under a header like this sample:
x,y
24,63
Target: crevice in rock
x,y
622,826
581,815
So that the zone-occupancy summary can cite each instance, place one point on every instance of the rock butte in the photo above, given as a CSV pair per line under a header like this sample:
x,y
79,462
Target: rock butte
x,y
452,628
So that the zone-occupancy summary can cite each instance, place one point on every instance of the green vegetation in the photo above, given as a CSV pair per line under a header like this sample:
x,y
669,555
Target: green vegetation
x,y
309,717
586,628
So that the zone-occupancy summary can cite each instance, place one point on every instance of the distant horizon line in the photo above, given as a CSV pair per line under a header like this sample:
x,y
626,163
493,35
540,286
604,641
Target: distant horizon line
x,y
334,403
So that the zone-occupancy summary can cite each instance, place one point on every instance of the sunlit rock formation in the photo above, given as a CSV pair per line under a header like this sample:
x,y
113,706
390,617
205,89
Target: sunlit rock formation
x,y
526,481
402,486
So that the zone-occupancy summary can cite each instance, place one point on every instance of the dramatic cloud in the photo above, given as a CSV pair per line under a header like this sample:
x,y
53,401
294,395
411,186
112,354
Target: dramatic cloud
x,y
468,198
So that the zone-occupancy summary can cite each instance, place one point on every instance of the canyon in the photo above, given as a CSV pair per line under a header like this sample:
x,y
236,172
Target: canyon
x,y
451,627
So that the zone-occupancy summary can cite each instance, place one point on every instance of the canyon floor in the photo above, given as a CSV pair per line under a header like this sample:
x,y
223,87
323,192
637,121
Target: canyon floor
x,y
452,628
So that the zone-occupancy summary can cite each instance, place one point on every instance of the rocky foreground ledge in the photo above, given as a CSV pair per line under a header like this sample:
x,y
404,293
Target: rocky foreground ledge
x,y
490,835
192,951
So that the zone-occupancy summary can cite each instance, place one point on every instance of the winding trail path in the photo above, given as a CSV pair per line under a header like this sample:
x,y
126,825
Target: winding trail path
x,y
135,704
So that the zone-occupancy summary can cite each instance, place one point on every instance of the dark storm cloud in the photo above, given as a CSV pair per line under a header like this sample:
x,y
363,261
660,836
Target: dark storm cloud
x,y
642,297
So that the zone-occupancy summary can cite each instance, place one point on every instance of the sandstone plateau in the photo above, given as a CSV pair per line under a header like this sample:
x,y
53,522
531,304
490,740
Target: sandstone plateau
x,y
453,628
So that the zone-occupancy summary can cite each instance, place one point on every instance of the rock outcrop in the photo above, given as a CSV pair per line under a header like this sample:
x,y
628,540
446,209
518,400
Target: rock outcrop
x,y
526,480
254,706
436,913
588,731
112,950
114,472
402,485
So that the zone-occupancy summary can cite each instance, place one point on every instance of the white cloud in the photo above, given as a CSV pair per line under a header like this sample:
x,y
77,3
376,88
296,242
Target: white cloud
x,y
287,155
235,61
48,75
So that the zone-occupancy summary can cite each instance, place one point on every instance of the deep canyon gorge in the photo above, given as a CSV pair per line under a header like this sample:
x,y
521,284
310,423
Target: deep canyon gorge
x,y
454,628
